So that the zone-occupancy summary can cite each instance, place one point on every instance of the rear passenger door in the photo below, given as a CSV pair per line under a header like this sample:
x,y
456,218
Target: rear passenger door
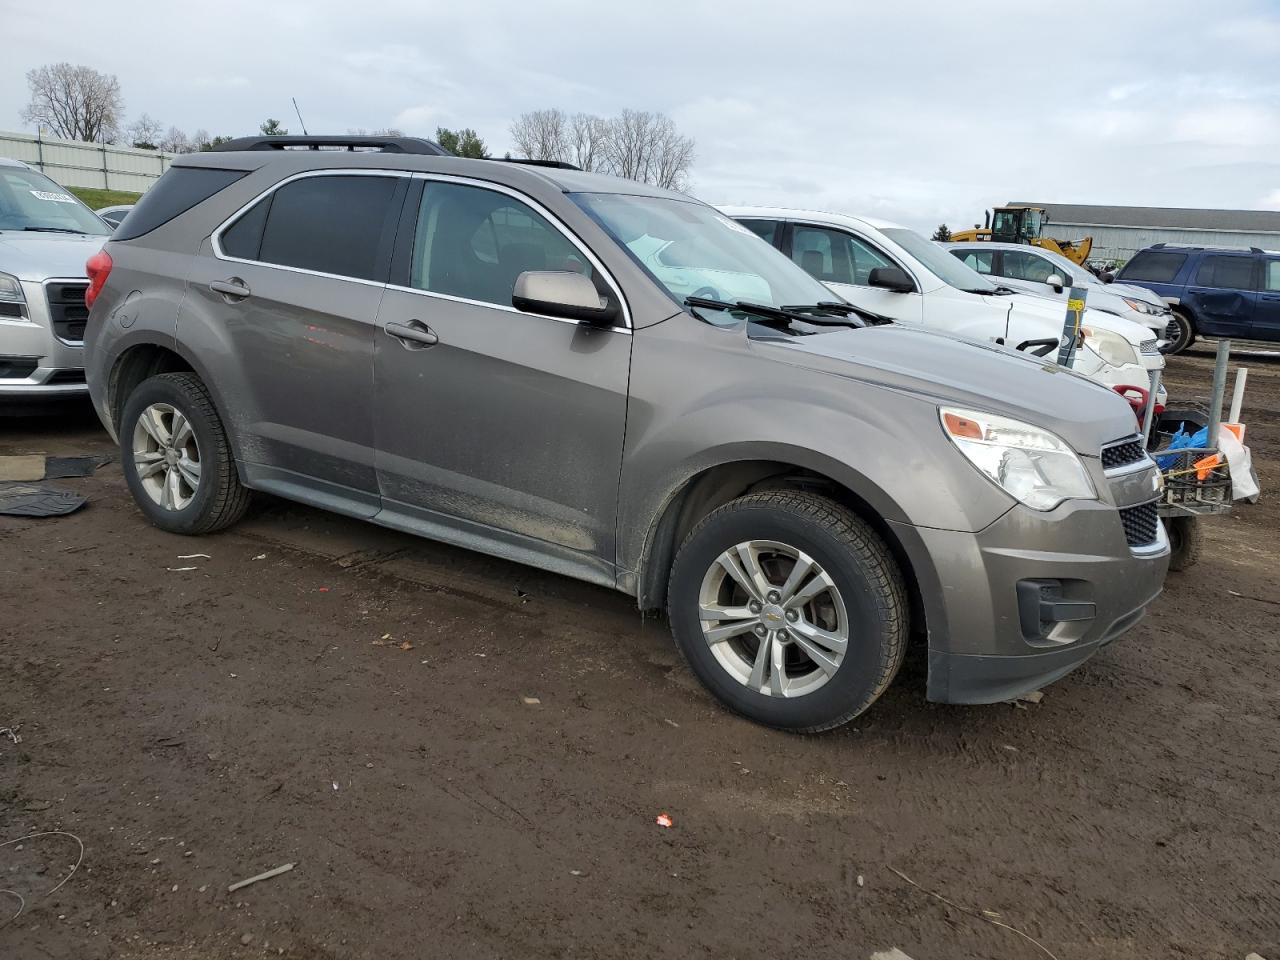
x,y
286,304
498,429
1223,294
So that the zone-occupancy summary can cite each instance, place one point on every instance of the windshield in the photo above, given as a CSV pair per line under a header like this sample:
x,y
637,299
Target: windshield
x,y
31,201
694,250
938,261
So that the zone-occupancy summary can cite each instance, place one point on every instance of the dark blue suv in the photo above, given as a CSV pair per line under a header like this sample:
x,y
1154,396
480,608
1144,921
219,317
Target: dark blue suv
x,y
1213,292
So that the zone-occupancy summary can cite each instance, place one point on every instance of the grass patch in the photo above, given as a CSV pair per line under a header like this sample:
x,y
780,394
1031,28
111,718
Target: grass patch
x,y
96,199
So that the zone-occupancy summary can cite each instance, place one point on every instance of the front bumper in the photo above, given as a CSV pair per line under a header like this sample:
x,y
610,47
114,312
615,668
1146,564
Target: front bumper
x,y
34,361
984,647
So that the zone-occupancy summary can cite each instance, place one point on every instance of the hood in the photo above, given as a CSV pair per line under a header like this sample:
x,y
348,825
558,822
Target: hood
x,y
1136,293
943,369
39,256
1055,310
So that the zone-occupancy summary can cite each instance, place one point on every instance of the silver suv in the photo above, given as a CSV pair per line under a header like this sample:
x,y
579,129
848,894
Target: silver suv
x,y
476,351
46,235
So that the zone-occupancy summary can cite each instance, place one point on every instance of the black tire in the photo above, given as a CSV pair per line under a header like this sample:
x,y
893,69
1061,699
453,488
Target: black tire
x,y
1186,540
863,570
1180,334
219,499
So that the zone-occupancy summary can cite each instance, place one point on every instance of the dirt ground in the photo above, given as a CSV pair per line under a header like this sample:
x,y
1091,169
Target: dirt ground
x,y
465,758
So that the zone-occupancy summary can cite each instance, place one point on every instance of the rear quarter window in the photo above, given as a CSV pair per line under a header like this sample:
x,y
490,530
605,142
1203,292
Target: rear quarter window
x,y
180,189
1153,266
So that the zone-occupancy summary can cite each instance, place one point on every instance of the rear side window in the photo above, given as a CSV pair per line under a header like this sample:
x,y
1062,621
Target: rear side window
x,y
1226,273
180,189
1153,266
338,224
764,229
979,260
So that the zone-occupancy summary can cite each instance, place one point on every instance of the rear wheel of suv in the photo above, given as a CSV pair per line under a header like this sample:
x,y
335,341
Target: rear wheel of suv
x,y
176,457
1179,334
789,609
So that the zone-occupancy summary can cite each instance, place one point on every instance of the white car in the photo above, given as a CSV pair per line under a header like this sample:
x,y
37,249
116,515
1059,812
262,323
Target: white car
x,y
1048,274
893,271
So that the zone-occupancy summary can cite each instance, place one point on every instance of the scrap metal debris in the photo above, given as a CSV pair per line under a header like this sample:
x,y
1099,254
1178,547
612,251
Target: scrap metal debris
x,y
11,733
267,875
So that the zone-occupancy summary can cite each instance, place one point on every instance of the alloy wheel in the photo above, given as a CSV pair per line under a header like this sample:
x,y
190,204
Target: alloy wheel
x,y
773,618
166,456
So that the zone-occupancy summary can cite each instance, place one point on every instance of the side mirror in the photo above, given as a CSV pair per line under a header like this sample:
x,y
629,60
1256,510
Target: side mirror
x,y
1055,281
562,293
891,278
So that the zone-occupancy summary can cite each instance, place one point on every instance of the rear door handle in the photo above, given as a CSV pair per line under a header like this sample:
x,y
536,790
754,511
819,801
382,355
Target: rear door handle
x,y
233,289
413,335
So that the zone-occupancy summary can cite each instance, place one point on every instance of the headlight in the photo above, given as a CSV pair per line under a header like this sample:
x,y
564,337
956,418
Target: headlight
x,y
1147,309
11,289
1030,464
1110,346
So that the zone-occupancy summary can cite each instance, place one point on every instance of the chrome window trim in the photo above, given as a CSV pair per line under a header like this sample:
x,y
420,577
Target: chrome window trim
x,y
215,241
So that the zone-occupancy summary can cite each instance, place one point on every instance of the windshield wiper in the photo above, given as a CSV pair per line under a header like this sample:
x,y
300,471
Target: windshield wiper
x,y
55,230
776,315
840,309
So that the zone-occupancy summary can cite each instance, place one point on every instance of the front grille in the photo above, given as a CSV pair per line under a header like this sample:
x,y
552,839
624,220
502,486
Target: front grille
x,y
1149,347
1140,524
67,311
1122,454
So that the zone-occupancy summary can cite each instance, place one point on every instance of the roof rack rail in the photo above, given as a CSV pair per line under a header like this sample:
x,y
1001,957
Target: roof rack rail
x,y
557,164
384,144
1158,246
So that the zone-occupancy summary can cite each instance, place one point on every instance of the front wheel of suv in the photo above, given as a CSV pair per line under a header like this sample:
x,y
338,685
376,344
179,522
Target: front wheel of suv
x,y
176,458
1179,334
790,609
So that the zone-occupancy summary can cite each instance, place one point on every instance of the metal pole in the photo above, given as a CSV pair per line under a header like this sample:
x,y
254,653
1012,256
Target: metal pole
x,y
1219,389
1071,325
1237,397
39,149
1150,414
106,181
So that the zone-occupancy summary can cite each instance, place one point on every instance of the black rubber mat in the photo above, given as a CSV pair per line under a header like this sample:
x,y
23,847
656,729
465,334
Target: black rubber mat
x,y
57,467
37,500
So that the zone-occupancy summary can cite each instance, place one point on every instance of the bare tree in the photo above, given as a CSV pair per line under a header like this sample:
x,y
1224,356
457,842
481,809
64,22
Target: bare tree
x,y
380,132
588,139
647,147
542,135
175,141
74,102
145,132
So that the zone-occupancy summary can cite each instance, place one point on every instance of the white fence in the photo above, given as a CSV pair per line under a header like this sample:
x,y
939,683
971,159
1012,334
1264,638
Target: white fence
x,y
74,163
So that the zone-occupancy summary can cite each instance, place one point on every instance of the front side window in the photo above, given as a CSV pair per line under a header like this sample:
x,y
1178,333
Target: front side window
x,y
337,224
30,201
472,242
766,230
1153,266
692,249
1226,273
1020,265
834,256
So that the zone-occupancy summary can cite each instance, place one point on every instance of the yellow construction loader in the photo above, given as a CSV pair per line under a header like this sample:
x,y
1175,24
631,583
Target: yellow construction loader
x,y
1025,225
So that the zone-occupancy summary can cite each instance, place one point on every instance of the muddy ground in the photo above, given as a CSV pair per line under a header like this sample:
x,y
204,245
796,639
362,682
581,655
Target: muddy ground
x,y
465,758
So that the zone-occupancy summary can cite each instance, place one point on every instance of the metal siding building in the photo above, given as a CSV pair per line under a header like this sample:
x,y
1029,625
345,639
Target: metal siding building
x,y
1120,232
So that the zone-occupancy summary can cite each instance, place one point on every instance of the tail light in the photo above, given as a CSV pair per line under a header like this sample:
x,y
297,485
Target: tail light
x,y
98,268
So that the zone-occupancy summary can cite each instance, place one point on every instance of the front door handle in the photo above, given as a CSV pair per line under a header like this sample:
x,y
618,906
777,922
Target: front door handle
x,y
413,335
233,289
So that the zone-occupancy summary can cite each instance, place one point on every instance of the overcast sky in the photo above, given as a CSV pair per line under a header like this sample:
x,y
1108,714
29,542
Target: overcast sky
x,y
917,112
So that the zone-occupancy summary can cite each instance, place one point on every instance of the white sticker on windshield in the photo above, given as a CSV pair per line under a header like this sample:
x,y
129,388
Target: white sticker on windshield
x,y
735,225
53,197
